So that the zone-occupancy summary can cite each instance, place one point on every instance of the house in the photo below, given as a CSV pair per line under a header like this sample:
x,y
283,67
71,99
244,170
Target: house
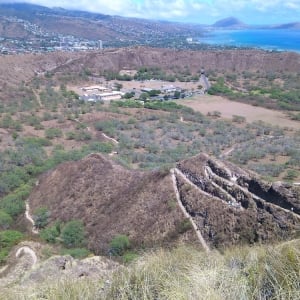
x,y
109,96
95,88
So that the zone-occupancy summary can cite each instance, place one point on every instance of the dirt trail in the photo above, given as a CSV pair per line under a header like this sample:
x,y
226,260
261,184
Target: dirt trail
x,y
38,98
187,215
25,250
30,219
227,152
25,259
109,138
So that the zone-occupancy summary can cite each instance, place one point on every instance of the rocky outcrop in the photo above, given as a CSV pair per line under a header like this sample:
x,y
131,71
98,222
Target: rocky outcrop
x,y
231,205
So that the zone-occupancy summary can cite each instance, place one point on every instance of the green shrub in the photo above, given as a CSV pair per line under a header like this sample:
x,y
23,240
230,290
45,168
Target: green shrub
x,y
73,234
184,226
76,252
119,244
9,238
51,233
5,220
101,147
51,133
40,217
129,256
3,255
13,205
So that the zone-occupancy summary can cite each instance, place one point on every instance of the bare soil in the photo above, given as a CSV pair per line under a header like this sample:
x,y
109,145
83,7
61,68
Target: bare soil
x,y
227,108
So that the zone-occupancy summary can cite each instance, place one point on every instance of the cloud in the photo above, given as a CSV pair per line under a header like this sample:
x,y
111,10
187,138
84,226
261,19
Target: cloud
x,y
185,10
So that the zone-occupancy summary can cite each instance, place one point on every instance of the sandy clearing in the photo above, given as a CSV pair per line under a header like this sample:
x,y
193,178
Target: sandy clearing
x,y
208,103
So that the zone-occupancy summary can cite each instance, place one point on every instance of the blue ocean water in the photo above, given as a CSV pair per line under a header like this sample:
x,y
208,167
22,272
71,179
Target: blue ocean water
x,y
269,39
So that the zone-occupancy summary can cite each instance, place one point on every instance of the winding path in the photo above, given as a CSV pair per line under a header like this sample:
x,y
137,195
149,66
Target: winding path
x,y
109,138
25,250
187,215
25,259
29,218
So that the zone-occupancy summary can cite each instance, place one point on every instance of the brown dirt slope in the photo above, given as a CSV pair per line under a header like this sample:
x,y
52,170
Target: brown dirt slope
x,y
111,200
15,69
228,205
229,60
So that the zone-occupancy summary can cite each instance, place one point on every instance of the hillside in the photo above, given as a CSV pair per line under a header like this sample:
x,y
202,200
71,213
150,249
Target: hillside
x,y
111,200
15,69
94,26
227,209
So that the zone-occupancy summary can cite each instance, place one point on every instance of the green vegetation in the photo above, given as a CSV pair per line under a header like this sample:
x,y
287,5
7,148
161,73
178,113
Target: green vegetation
x,y
8,238
5,220
72,234
51,133
40,217
50,233
119,244
78,253
271,90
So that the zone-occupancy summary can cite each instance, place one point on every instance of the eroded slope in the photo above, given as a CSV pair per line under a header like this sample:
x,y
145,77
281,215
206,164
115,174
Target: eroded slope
x,y
111,200
230,205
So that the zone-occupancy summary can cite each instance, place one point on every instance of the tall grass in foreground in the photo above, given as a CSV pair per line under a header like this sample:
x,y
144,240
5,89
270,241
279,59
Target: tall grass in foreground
x,y
261,272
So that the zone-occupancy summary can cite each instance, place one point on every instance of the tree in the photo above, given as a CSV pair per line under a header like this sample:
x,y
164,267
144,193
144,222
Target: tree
x,y
118,86
73,234
176,95
144,96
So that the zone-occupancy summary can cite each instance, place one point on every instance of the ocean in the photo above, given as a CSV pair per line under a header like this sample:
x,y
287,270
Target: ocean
x,y
268,39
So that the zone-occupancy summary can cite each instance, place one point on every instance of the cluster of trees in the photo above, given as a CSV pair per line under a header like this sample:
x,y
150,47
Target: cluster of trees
x,y
156,73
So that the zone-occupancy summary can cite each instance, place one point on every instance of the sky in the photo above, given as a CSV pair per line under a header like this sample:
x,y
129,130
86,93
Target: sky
x,y
191,11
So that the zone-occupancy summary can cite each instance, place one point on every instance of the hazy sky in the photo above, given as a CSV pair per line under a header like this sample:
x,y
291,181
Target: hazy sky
x,y
199,11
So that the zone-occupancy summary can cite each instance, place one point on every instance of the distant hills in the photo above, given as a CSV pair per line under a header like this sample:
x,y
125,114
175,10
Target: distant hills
x,y
234,23
114,30
230,22
295,25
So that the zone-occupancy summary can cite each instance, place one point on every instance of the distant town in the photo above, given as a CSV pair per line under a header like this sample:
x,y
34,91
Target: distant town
x,y
44,41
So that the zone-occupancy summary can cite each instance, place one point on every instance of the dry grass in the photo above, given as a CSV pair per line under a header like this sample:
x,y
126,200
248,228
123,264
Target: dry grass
x,y
261,272
227,108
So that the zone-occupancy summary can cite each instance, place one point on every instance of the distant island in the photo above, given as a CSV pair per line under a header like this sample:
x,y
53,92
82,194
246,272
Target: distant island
x,y
231,22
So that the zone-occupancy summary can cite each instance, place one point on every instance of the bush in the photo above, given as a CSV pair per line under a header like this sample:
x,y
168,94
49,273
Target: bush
x,y
101,147
5,220
119,244
9,238
129,256
51,233
76,252
13,205
52,133
40,217
73,234
3,255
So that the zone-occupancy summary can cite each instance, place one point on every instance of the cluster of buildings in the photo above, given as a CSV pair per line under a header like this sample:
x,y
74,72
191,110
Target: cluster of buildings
x,y
97,93
44,41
